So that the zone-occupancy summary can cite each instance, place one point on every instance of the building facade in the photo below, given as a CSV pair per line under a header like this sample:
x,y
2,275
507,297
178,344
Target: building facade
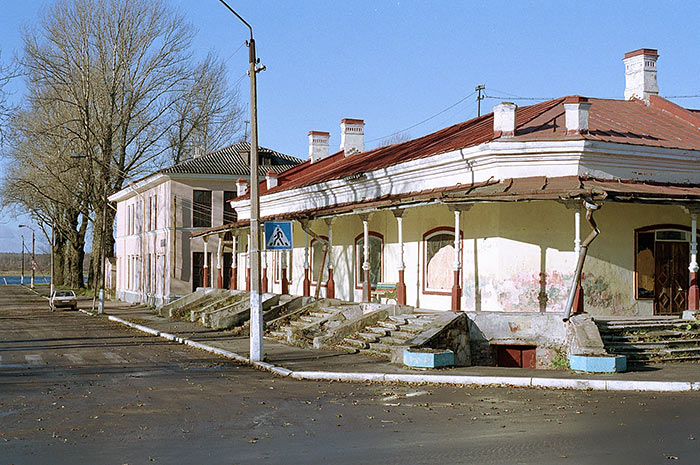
x,y
155,260
490,214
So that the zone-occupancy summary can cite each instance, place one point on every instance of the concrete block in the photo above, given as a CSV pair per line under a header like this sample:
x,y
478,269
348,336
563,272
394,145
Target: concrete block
x,y
598,363
428,359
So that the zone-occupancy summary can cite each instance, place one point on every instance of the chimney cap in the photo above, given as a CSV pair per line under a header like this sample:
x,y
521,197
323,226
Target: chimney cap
x,y
642,51
576,99
319,133
352,121
271,173
242,180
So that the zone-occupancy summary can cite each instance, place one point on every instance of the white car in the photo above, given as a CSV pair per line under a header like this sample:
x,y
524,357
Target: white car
x,y
63,299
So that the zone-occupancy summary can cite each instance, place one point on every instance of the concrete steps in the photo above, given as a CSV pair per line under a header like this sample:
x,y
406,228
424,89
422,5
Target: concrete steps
x,y
651,340
379,339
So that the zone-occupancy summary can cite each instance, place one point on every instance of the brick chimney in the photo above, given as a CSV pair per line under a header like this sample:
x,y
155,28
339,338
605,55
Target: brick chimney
x,y
318,145
504,119
640,74
576,109
352,136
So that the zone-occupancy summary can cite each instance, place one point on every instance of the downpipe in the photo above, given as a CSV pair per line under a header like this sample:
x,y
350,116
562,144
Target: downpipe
x,y
590,208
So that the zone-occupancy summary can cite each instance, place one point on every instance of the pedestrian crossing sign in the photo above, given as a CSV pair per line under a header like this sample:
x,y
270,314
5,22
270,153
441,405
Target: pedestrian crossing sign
x,y
278,235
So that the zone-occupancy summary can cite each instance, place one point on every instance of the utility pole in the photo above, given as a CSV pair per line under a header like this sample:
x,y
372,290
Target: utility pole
x,y
256,322
33,257
479,97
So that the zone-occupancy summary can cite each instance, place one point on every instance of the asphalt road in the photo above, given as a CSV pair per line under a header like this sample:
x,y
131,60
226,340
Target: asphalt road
x,y
79,389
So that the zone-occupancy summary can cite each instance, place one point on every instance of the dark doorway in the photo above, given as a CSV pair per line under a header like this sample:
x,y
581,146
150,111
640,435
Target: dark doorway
x,y
198,270
671,278
516,356
227,270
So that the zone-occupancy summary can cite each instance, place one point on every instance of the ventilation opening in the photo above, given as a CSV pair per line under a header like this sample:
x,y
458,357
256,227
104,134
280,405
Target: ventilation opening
x,y
516,356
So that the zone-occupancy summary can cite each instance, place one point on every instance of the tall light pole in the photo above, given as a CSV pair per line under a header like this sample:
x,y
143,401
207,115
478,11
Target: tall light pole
x,y
256,323
33,257
21,281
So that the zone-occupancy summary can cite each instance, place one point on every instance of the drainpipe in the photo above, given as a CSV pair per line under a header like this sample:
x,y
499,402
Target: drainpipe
x,y
305,227
590,208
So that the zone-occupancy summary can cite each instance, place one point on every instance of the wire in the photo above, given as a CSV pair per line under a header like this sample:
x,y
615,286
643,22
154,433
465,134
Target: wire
x,y
512,97
681,96
424,121
235,51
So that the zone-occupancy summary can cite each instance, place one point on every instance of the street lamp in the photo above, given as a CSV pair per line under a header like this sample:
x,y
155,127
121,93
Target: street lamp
x,y
33,258
256,322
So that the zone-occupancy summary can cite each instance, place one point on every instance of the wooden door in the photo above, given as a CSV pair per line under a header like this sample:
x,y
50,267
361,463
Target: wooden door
x,y
671,278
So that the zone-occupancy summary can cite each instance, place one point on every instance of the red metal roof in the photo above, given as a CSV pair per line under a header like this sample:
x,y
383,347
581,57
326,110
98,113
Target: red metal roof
x,y
659,124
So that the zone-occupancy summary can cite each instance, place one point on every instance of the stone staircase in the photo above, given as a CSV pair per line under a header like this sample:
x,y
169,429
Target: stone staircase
x,y
298,326
651,339
379,339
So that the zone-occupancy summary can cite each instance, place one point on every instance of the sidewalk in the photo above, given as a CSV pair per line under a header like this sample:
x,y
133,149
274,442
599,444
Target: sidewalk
x,y
316,364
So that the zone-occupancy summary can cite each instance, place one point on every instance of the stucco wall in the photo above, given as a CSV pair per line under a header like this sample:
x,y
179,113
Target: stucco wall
x,y
517,257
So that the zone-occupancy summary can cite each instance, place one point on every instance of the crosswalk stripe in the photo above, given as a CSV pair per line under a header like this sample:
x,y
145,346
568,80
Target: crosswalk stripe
x,y
33,358
75,358
114,357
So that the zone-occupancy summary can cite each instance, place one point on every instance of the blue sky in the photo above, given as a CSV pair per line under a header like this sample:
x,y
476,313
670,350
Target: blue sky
x,y
396,63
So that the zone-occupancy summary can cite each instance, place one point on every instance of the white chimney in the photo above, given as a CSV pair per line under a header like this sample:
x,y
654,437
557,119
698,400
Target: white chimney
x,y
504,119
241,187
318,145
352,136
576,109
271,179
640,74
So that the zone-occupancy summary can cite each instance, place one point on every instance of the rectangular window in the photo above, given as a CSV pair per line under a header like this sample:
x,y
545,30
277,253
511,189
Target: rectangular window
x,y
230,215
201,209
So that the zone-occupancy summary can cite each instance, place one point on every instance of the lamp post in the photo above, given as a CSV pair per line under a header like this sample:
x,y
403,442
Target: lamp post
x,y
256,324
33,258
21,281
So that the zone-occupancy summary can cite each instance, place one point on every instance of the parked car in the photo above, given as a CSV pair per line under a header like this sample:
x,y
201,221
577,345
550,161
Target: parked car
x,y
63,299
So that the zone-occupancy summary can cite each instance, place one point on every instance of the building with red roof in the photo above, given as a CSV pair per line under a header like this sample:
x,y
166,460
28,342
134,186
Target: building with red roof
x,y
490,214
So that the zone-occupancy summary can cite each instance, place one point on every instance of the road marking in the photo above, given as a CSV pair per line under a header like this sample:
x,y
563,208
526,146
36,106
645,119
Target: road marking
x,y
112,357
34,359
75,358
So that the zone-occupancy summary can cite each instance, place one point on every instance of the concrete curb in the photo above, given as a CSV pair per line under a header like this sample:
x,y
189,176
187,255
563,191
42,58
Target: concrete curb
x,y
461,380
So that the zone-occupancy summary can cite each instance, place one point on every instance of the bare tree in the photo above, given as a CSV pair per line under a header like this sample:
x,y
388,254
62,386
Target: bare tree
x,y
118,79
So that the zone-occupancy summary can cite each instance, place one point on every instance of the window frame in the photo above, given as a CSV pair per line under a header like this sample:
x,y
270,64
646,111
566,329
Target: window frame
x,y
357,268
200,215
227,210
424,265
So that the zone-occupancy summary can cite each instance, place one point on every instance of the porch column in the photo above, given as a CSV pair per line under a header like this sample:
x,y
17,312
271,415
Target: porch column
x,y
219,263
264,282
400,285
330,284
693,291
206,263
456,287
366,286
307,282
247,270
234,261
575,205
285,282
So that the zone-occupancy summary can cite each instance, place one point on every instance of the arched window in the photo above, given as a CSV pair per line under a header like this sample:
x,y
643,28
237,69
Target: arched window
x,y
438,260
316,257
376,259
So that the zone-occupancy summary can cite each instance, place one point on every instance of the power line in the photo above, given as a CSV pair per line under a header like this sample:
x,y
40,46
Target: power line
x,y
425,120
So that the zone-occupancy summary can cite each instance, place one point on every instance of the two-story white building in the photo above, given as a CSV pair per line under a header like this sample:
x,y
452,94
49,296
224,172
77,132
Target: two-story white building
x,y
155,260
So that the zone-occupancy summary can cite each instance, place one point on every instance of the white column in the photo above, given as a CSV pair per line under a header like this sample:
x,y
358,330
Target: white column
x,y
234,250
402,264
219,253
206,255
329,254
694,243
458,242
